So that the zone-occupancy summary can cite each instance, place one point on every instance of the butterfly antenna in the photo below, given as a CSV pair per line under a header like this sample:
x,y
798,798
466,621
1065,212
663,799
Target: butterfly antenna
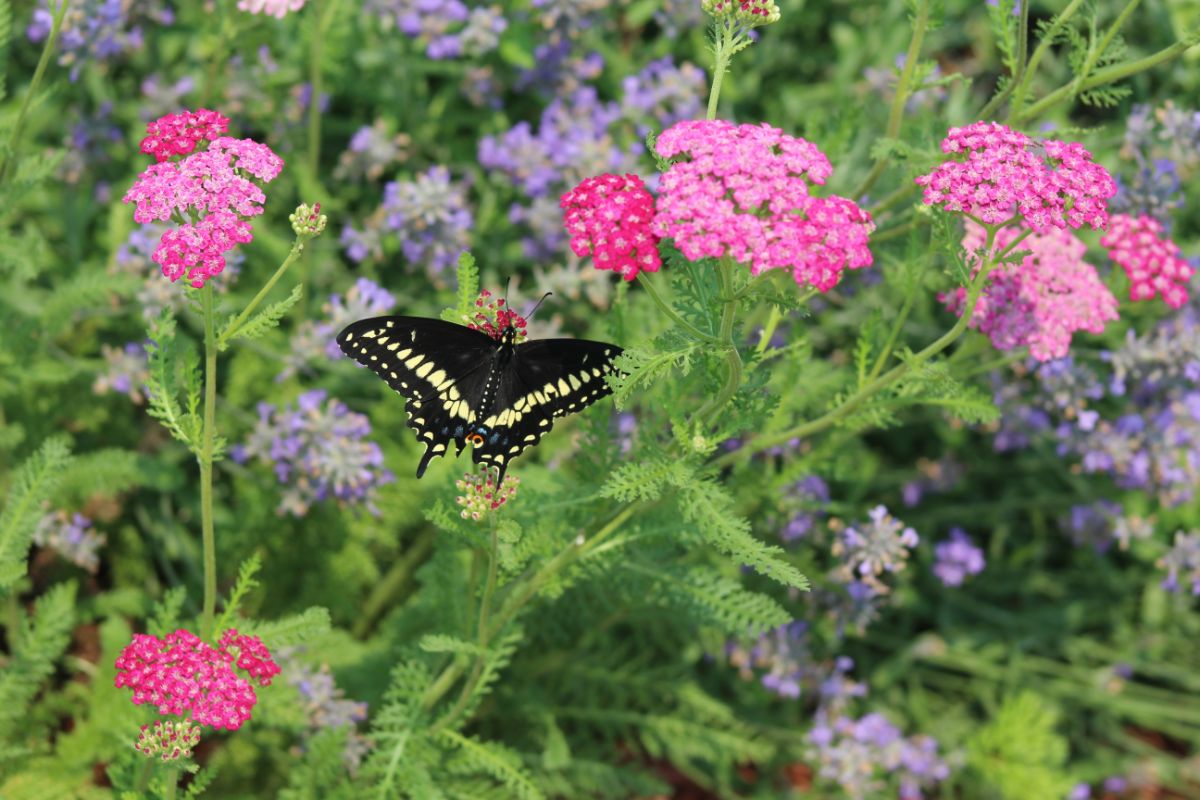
x,y
538,305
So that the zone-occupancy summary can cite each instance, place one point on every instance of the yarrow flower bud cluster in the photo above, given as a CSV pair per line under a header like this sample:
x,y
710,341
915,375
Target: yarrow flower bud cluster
x,y
168,740
742,192
1151,260
178,134
1041,301
745,13
494,319
308,221
480,494
217,190
880,546
181,674
609,217
998,173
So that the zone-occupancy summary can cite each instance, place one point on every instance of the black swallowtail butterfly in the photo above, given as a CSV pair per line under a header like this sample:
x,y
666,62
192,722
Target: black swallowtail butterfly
x,y
463,386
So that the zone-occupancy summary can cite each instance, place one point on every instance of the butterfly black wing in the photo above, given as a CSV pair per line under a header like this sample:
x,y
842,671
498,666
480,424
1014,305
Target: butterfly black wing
x,y
438,367
546,379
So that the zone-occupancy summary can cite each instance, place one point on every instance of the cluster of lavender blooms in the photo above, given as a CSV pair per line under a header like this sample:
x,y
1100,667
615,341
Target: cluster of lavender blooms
x,y
868,551
804,505
160,98
313,342
154,295
957,558
883,83
576,138
372,151
326,706
87,145
72,537
126,371
1182,563
98,30
1164,145
429,216
252,103
445,28
319,451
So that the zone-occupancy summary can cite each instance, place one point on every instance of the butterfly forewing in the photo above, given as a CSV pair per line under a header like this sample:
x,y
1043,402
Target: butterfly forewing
x,y
438,367
546,379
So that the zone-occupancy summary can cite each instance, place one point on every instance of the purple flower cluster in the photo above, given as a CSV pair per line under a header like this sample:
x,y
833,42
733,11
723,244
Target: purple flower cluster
x,y
867,755
430,217
98,30
663,94
780,658
1092,524
72,537
313,342
319,452
326,706
126,371
372,150
1182,562
870,550
934,477
87,145
804,503
446,28
957,558
1164,144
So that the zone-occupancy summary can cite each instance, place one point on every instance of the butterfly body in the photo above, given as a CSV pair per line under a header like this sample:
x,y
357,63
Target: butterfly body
x,y
463,386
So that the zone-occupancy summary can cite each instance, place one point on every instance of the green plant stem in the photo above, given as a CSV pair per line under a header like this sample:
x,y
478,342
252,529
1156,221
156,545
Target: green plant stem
x,y
324,10
1000,97
1022,86
1108,75
903,90
886,352
232,328
652,290
898,231
208,436
225,36
773,320
830,418
892,199
172,783
393,584
733,359
18,128
482,637
722,53
1109,35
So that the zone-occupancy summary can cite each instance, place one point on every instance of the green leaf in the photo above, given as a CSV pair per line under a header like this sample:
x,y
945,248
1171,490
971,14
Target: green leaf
x,y
241,587
645,480
468,289
36,649
1019,753
263,321
642,367
492,759
166,616
32,486
163,386
718,599
295,629
442,643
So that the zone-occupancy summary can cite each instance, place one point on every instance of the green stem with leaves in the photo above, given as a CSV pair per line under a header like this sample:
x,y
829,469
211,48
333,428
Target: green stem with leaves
x,y
1022,85
205,457
903,90
652,290
231,329
733,359
1018,67
723,43
18,128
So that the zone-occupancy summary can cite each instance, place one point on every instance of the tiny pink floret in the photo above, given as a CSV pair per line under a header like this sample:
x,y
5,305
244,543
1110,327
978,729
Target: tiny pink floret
x,y
609,217
999,174
743,191
181,674
1150,259
1043,300
177,134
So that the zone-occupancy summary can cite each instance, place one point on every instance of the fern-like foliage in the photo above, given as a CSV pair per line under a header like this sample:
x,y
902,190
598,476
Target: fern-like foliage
x,y
246,581
711,597
643,367
36,649
31,487
262,322
1019,753
309,624
468,289
163,386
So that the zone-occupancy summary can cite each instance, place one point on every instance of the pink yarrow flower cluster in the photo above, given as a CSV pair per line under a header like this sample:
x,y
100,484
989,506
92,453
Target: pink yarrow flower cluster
x,y
275,8
181,674
609,217
493,318
1043,300
178,134
743,191
212,194
1149,258
998,173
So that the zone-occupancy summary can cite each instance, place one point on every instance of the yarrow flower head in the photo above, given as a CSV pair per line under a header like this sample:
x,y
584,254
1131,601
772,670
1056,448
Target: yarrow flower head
x,y
181,674
1041,301
168,740
252,655
178,134
744,13
308,221
998,173
609,217
491,317
1149,258
72,536
275,8
742,191
480,494
319,451
957,558
880,546
218,189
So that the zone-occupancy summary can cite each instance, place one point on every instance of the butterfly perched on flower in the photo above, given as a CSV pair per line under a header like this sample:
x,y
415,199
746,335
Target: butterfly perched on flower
x,y
480,383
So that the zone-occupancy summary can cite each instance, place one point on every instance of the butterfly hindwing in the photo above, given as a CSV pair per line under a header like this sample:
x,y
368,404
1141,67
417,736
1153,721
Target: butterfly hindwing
x,y
438,367
546,379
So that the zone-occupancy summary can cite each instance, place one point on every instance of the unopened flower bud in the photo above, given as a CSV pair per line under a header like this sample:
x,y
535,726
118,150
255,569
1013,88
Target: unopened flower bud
x,y
745,13
308,221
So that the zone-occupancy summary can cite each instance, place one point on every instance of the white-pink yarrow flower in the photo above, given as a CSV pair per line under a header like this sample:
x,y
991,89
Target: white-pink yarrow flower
x,y
743,191
1150,259
1041,301
275,8
997,174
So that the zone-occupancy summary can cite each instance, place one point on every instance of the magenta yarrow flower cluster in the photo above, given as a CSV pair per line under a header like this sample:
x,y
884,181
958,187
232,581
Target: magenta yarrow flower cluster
x,y
1149,258
216,191
168,740
480,494
178,134
743,192
1043,300
609,217
492,318
998,173
182,674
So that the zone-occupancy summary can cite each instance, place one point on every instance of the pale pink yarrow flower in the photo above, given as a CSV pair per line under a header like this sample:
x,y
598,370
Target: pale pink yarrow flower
x,y
609,217
180,674
742,191
998,174
178,134
275,8
1043,300
1150,259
